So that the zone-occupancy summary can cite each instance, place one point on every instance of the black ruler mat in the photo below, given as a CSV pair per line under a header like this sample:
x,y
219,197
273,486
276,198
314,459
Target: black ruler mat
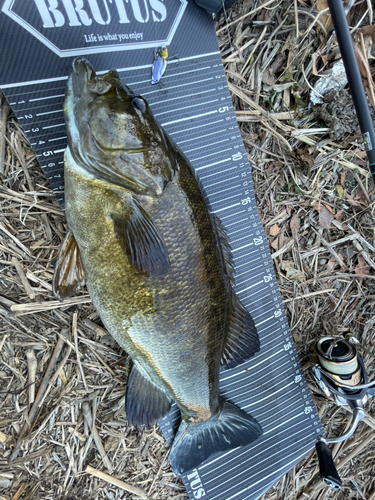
x,y
195,108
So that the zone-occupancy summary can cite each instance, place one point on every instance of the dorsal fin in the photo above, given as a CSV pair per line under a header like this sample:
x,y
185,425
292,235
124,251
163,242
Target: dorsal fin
x,y
223,244
69,276
242,340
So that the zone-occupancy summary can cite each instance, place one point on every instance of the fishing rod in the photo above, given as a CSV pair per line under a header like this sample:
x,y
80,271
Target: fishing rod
x,y
339,371
354,79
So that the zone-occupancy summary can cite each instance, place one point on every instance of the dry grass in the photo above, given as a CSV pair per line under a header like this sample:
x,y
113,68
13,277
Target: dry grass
x,y
314,199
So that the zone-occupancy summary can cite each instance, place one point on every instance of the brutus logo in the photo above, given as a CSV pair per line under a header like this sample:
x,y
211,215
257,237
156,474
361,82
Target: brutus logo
x,y
78,27
196,484
55,13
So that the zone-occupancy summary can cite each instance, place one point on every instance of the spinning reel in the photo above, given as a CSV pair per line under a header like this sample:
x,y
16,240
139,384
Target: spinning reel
x,y
340,372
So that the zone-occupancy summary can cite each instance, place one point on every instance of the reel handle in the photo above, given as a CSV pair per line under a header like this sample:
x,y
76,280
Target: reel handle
x,y
327,469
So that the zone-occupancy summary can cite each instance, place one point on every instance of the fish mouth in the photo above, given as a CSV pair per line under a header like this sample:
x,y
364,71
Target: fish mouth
x,y
83,69
82,77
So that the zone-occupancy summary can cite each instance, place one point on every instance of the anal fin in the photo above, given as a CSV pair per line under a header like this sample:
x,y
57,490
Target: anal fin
x,y
69,276
145,403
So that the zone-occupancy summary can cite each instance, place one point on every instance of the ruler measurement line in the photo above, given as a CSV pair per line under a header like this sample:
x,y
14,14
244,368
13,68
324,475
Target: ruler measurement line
x,y
237,221
231,215
181,85
194,128
50,112
247,271
213,164
219,182
250,279
240,239
212,154
242,229
58,139
259,379
262,306
207,146
183,97
189,118
268,396
226,208
254,366
223,191
45,98
241,248
185,107
54,126
225,199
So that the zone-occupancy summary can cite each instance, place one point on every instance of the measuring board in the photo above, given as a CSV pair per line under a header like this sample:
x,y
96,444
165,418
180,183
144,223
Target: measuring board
x,y
194,106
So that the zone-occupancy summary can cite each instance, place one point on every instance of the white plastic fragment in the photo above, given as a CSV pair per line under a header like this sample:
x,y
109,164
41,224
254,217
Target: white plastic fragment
x,y
335,80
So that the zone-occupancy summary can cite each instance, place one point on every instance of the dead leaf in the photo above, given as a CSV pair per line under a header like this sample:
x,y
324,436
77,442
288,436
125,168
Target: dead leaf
x,y
321,4
339,214
291,271
342,179
368,30
325,18
294,223
328,207
362,267
274,230
325,216
340,190
350,199
280,180
331,264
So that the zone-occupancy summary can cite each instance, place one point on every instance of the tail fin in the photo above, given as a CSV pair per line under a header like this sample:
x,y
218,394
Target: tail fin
x,y
196,441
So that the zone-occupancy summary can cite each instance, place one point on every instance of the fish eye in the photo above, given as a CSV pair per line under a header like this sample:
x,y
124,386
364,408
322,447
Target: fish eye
x,y
139,103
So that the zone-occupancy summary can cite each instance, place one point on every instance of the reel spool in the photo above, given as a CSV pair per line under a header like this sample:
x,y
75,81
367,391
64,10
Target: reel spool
x,y
340,358
340,372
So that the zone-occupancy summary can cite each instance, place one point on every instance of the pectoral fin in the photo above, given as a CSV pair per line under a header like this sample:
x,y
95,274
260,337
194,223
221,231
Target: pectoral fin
x,y
145,403
142,242
69,275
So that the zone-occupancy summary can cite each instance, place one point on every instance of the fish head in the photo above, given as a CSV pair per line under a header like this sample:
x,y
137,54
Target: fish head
x,y
113,134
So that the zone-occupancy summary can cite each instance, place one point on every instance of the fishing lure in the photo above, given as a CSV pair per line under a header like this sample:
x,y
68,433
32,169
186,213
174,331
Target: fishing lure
x,y
160,64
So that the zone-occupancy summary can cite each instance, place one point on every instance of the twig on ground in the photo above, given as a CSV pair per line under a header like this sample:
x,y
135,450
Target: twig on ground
x,y
36,406
120,484
98,442
31,368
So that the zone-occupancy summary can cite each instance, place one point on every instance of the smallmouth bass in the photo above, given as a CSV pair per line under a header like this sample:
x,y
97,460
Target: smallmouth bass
x,y
156,263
